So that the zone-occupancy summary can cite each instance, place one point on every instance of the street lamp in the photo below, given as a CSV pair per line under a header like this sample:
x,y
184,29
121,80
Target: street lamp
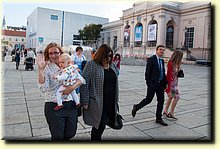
x,y
188,56
184,44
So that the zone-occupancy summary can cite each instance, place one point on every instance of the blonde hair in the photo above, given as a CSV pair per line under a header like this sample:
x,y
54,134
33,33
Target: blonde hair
x,y
176,58
67,57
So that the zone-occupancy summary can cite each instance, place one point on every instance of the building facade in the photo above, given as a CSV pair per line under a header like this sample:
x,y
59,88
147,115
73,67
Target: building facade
x,y
173,24
13,39
49,25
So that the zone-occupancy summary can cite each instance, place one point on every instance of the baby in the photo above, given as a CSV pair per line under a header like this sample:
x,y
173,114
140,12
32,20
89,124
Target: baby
x,y
68,77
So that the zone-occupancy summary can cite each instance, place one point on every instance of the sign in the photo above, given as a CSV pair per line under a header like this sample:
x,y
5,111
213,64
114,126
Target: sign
x,y
152,32
40,39
138,33
127,36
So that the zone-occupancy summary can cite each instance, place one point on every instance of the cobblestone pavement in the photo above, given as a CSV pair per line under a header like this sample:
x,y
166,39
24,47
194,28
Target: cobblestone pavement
x,y
23,103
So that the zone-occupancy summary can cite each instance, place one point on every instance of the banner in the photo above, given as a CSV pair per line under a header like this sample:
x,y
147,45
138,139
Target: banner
x,y
127,35
152,32
138,33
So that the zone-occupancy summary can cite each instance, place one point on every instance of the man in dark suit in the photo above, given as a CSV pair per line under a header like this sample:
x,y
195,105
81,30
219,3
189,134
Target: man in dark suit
x,y
156,81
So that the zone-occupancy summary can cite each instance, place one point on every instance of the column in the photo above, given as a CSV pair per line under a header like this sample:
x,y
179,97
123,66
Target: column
x,y
161,30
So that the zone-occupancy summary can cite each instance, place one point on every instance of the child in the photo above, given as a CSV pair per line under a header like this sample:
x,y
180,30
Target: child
x,y
68,77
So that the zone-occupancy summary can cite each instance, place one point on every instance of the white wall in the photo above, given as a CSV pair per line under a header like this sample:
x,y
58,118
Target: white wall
x,y
40,22
49,29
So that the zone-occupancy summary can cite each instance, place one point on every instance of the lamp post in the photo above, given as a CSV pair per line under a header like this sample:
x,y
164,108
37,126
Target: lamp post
x,y
184,44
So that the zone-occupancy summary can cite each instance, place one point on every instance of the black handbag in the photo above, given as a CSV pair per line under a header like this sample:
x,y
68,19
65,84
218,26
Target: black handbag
x,y
118,124
180,74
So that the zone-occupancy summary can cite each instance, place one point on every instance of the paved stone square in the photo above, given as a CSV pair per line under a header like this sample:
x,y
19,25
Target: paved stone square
x,y
23,104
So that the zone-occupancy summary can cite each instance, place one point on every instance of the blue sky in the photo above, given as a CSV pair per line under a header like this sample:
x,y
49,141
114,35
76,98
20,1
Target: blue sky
x,y
16,13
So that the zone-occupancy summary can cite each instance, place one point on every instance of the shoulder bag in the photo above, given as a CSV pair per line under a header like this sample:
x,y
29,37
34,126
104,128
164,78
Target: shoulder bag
x,y
180,74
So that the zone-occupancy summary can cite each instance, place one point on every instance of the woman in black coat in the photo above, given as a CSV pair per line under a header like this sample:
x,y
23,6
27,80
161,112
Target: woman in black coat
x,y
99,96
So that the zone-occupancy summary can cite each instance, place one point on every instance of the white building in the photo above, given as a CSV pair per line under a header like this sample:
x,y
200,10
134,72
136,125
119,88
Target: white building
x,y
150,23
48,25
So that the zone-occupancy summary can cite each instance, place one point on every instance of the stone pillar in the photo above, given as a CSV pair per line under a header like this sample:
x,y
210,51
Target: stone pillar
x,y
144,44
132,36
161,30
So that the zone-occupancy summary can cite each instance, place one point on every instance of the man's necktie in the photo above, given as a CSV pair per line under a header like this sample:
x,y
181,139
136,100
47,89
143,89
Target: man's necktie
x,y
160,69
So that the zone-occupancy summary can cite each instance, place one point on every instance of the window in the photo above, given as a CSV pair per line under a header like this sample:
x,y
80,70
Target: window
x,y
189,37
16,39
76,37
209,36
54,17
109,39
22,39
127,36
114,43
77,42
103,40
169,37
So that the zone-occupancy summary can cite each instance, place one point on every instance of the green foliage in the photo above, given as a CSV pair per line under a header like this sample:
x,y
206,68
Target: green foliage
x,y
90,33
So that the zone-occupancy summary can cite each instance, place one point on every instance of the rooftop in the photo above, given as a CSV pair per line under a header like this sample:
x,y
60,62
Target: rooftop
x,y
14,33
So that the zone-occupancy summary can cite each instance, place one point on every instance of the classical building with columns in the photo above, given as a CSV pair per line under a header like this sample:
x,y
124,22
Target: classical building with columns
x,y
173,24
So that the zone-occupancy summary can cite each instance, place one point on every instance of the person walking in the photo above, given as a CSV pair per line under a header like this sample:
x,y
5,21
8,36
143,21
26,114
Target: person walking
x,y
173,68
117,61
17,58
99,96
30,54
156,83
78,59
4,52
62,123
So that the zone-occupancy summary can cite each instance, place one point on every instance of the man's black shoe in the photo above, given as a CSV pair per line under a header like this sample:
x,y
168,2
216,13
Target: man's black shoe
x,y
161,122
134,110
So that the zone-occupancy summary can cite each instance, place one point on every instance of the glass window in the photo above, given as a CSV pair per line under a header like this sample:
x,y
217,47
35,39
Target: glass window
x,y
114,43
109,39
54,17
169,37
189,35
103,40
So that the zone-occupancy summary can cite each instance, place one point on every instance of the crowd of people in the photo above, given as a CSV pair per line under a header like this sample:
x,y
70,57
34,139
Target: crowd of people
x,y
17,54
70,82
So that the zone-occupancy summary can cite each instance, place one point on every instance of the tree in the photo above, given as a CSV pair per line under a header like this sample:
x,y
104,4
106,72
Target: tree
x,y
90,33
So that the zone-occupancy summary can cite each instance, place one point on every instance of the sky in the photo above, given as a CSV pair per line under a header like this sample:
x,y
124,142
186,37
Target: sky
x,y
16,13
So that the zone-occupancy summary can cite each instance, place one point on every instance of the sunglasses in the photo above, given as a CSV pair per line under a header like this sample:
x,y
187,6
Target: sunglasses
x,y
109,55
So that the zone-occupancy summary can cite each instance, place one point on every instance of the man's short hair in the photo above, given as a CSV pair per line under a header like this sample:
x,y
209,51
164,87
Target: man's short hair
x,y
160,46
